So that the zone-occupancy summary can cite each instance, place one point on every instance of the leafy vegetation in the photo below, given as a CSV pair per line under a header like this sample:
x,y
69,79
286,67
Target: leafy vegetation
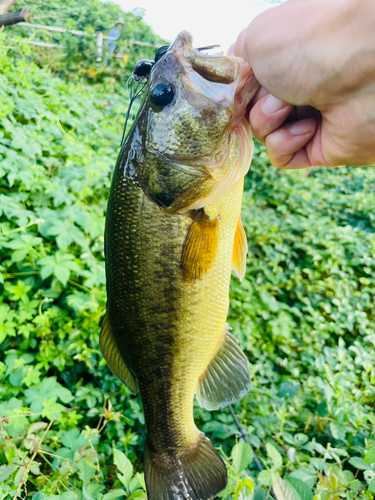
x,y
303,314
79,57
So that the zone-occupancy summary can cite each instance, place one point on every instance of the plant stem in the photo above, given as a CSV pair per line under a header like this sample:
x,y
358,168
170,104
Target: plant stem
x,y
27,468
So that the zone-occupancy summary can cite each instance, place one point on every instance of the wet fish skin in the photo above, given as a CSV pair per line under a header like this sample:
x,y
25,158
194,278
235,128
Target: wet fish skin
x,y
177,187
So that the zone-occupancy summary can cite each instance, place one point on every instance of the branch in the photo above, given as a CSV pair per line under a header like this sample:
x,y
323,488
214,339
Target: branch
x,y
17,16
5,5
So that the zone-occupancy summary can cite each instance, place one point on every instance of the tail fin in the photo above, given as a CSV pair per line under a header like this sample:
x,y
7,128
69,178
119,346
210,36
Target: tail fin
x,y
197,474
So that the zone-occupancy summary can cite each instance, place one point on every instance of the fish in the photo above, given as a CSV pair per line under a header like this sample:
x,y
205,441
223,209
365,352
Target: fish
x,y
173,234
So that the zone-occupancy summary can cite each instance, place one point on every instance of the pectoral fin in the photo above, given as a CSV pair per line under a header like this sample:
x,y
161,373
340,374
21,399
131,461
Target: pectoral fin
x,y
227,377
199,251
113,357
240,250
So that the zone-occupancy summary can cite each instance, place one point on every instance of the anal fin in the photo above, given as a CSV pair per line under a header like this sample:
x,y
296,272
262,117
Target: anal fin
x,y
227,377
240,250
199,251
113,357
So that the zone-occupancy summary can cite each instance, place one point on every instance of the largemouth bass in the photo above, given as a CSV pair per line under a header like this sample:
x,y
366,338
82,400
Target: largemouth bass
x,y
173,235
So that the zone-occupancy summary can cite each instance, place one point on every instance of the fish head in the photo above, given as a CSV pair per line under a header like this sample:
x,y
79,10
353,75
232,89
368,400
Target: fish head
x,y
194,125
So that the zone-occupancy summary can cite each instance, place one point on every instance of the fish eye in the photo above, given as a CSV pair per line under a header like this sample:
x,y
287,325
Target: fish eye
x,y
160,52
142,69
162,94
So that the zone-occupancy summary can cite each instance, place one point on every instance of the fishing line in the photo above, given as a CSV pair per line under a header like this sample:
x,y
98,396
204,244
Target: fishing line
x,y
136,89
140,75
242,432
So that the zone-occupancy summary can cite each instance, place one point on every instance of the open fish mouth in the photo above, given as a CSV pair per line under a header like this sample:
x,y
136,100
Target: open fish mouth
x,y
219,69
202,74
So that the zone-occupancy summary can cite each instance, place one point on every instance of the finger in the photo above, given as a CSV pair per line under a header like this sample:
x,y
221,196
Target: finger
x,y
262,92
286,146
238,48
267,115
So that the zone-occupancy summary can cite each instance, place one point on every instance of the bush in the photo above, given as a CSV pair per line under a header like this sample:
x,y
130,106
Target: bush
x,y
79,58
303,313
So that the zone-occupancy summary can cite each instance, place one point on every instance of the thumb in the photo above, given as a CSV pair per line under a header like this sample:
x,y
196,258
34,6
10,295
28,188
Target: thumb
x,y
239,47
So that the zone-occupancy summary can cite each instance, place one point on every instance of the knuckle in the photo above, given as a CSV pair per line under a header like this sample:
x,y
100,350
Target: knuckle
x,y
279,160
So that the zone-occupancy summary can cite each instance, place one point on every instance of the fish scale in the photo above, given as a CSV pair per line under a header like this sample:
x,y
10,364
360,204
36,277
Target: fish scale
x,y
202,307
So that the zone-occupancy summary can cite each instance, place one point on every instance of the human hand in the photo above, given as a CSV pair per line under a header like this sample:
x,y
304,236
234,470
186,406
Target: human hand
x,y
315,61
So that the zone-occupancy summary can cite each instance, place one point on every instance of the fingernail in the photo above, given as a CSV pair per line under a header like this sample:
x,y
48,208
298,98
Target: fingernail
x,y
273,104
303,126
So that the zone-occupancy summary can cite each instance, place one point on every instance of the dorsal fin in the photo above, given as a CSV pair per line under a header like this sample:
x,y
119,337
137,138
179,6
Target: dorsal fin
x,y
199,251
113,357
227,377
240,250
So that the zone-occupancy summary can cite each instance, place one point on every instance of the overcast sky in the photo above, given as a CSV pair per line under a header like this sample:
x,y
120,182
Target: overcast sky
x,y
209,21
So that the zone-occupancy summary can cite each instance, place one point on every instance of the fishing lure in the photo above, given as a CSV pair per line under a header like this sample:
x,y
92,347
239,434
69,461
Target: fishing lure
x,y
138,80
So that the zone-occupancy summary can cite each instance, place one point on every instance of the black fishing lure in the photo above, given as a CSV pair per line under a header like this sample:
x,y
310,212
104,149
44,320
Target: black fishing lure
x,y
138,80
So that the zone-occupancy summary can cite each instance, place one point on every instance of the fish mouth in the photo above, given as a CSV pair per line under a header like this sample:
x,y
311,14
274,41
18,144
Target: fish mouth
x,y
208,83
218,69
239,84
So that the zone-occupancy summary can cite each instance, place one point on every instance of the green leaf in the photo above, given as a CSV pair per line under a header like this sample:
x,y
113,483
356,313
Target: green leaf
x,y
124,467
265,477
274,455
86,472
141,479
289,389
19,476
307,474
73,439
359,463
52,409
241,456
369,457
300,439
302,489
355,485
138,494
23,244
6,471
371,486
260,494
87,495
62,274
18,291
61,265
283,490
113,494
34,468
